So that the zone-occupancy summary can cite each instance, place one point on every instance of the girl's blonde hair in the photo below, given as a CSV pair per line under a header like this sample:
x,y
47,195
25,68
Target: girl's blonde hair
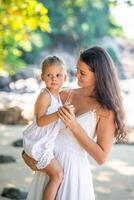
x,y
52,60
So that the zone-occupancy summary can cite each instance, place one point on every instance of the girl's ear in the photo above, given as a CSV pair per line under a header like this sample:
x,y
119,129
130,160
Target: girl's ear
x,y
42,77
65,77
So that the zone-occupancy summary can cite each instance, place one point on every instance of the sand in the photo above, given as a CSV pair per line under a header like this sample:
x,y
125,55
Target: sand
x,y
113,180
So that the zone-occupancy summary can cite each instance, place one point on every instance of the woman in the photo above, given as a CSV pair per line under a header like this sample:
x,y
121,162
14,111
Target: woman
x,y
98,119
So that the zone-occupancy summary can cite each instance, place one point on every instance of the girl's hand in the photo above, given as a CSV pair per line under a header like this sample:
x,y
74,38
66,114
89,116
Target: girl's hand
x,y
67,115
29,161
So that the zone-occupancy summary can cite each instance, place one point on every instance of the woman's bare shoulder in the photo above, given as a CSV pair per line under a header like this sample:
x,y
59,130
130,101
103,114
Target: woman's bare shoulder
x,y
66,92
104,112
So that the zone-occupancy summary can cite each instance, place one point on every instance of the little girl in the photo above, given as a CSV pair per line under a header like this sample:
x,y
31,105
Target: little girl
x,y
39,137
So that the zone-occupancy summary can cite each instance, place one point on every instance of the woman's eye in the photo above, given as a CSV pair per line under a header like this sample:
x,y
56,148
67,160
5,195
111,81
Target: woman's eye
x,y
83,74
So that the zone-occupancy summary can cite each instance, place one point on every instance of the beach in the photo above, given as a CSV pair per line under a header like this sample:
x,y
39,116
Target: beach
x,y
114,180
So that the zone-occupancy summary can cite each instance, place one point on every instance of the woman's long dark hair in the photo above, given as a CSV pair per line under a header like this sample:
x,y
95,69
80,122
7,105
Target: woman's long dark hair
x,y
107,85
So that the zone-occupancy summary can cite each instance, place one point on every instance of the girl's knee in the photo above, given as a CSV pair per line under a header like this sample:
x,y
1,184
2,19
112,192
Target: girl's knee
x,y
60,175
57,176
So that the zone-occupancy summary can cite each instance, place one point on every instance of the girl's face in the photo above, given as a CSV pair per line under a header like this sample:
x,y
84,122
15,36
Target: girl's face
x,y
53,76
86,78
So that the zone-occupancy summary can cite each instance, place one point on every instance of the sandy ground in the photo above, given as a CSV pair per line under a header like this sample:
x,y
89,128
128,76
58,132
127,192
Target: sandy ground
x,y
112,181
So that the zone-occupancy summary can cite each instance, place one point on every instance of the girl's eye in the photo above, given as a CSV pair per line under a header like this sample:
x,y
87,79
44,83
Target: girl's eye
x,y
49,75
56,76
59,75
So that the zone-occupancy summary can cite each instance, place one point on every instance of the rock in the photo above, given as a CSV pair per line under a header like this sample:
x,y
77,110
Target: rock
x,y
131,143
4,83
14,193
18,143
19,75
23,86
28,72
6,159
12,116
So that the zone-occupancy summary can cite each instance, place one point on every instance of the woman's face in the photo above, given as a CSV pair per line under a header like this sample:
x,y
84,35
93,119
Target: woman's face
x,y
86,78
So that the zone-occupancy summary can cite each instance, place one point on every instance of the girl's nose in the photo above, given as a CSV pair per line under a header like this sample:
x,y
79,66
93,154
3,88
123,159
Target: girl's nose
x,y
54,77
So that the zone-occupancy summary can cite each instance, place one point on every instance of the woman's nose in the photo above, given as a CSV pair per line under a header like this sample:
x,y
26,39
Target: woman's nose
x,y
77,74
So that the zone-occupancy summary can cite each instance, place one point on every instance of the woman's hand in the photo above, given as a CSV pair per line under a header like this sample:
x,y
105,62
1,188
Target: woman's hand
x,y
67,115
29,161
70,108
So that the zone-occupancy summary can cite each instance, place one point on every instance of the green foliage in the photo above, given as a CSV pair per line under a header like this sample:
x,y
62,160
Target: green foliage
x,y
74,23
80,22
116,2
19,18
113,55
39,40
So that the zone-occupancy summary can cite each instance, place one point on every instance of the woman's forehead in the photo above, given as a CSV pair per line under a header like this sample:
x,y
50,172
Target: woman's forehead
x,y
82,66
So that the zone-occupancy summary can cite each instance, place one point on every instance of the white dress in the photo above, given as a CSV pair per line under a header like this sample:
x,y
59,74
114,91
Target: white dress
x,y
77,182
38,142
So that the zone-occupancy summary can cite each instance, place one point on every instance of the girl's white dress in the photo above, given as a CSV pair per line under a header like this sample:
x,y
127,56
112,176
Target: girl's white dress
x,y
77,182
38,142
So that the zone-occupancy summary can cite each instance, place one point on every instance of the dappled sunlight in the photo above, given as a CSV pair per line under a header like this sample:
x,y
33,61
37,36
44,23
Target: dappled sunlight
x,y
28,179
3,127
103,190
16,175
93,167
121,167
11,185
9,134
109,184
104,176
4,142
112,180
14,182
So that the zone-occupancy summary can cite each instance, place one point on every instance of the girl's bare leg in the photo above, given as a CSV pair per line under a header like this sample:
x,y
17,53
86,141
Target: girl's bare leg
x,y
55,174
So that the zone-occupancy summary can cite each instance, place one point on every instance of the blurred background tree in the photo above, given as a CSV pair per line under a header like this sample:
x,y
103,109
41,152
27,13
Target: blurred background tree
x,y
80,22
25,28
19,20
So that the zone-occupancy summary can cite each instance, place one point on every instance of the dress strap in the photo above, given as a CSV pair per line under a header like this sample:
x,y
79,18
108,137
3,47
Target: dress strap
x,y
51,95
54,98
48,91
68,97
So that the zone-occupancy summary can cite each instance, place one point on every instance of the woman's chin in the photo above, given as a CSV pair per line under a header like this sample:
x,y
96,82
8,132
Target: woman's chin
x,y
79,84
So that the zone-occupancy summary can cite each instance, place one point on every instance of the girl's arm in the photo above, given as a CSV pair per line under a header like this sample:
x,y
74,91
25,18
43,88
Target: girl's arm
x,y
41,105
105,135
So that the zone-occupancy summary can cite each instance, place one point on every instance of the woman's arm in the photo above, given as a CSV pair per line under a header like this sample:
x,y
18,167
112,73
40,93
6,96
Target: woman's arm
x,y
105,135
29,161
